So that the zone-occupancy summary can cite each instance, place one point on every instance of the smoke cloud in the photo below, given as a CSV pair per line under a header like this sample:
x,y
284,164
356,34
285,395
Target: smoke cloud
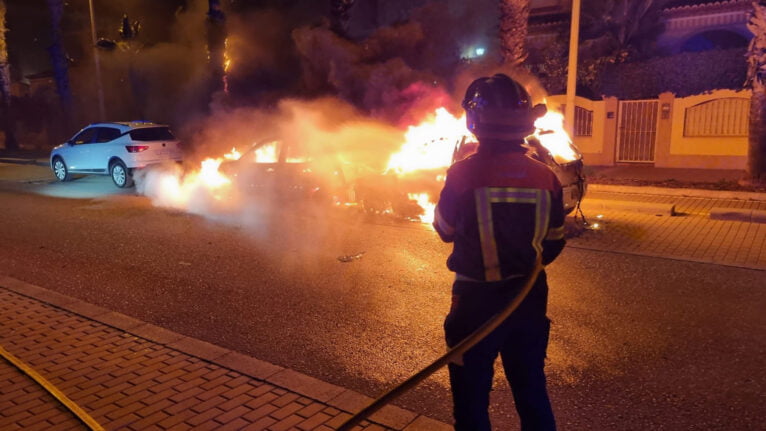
x,y
342,144
379,85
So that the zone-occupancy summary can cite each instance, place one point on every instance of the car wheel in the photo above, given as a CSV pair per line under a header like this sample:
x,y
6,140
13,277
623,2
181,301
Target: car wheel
x,y
120,175
60,170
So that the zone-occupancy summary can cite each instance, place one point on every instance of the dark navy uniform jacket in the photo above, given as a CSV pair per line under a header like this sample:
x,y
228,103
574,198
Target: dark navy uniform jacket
x,y
500,210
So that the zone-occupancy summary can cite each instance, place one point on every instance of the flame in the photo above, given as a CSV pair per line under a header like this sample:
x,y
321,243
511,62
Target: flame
x,y
232,155
226,66
549,130
424,201
266,153
188,190
430,144
420,163
226,58
209,175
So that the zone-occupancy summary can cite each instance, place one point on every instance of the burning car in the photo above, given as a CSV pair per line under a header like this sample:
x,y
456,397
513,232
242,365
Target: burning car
x,y
406,187
410,186
277,169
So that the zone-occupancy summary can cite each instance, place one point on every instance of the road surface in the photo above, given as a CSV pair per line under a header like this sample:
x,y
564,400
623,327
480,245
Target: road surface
x,y
637,342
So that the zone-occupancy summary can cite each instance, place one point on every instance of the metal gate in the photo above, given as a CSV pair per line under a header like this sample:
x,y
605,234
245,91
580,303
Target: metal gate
x,y
637,130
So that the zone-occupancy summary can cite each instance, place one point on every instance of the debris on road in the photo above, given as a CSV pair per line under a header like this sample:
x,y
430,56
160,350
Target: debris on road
x,y
351,257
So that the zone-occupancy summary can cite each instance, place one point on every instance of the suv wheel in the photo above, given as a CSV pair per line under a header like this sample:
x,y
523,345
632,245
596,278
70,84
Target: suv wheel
x,y
121,176
60,170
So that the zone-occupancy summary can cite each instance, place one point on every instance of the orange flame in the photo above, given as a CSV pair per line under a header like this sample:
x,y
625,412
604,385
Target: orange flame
x,y
426,153
232,155
430,145
424,201
266,153
175,189
210,176
549,130
226,57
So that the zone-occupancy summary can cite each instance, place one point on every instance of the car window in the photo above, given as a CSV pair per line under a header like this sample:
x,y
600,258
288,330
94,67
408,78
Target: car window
x,y
295,153
106,134
85,137
152,134
263,152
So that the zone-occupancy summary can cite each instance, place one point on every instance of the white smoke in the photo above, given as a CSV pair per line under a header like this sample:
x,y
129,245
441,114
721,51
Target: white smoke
x,y
341,144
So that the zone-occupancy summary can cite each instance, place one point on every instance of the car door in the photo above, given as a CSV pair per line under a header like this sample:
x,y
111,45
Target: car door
x,y
77,154
104,147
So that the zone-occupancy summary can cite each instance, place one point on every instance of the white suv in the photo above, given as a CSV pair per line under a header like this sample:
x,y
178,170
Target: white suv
x,y
115,149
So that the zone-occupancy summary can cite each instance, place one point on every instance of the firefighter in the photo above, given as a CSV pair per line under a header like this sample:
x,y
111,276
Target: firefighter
x,y
502,211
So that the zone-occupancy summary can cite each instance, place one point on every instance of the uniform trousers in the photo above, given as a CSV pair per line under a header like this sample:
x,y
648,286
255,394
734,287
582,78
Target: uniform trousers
x,y
521,341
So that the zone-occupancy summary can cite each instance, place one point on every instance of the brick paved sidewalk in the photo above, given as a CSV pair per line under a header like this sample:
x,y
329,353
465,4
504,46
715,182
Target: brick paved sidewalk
x,y
691,235
688,201
129,375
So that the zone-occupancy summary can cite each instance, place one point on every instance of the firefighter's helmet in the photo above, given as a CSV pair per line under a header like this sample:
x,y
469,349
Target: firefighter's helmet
x,y
499,108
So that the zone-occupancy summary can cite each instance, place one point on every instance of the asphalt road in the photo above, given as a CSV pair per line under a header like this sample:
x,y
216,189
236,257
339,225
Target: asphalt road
x,y
637,343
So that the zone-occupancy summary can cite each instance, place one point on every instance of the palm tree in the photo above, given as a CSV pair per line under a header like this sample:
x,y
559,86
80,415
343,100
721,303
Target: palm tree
x,y
5,86
620,29
755,170
59,60
514,17
616,31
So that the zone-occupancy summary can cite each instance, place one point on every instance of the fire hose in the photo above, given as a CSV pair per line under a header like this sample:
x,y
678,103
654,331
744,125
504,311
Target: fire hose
x,y
452,355
83,416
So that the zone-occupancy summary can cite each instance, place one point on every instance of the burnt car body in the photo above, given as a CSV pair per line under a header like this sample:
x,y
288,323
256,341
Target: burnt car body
x,y
278,170
275,169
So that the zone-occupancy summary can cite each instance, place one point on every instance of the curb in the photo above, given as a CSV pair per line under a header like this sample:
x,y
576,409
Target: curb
x,y
652,208
666,191
736,214
22,161
293,381
665,256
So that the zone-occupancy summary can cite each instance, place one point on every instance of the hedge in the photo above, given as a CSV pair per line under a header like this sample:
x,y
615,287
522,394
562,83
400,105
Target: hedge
x,y
683,74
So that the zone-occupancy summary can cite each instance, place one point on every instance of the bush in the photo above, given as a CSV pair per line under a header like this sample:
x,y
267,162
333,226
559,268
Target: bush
x,y
683,74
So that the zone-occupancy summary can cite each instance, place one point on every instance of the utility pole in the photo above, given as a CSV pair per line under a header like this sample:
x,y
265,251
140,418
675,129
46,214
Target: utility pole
x,y
97,61
574,36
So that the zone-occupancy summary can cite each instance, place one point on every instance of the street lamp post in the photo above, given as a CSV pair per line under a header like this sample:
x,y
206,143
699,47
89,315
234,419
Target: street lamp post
x,y
97,62
574,35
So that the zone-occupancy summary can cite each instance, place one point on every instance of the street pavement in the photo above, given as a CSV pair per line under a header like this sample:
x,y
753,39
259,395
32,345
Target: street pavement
x,y
630,220
131,375
127,374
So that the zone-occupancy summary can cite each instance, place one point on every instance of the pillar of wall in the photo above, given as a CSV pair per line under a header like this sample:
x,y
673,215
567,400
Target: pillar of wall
x,y
611,104
664,129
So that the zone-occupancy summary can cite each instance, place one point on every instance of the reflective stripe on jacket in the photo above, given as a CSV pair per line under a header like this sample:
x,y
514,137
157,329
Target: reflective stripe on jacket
x,y
501,210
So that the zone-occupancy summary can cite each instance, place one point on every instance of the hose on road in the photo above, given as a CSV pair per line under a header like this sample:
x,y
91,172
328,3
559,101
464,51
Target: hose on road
x,y
451,355
81,414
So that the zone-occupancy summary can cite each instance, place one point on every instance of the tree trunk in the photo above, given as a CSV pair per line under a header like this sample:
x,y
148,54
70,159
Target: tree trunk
x,y
756,160
59,62
340,13
755,169
514,17
216,44
6,114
